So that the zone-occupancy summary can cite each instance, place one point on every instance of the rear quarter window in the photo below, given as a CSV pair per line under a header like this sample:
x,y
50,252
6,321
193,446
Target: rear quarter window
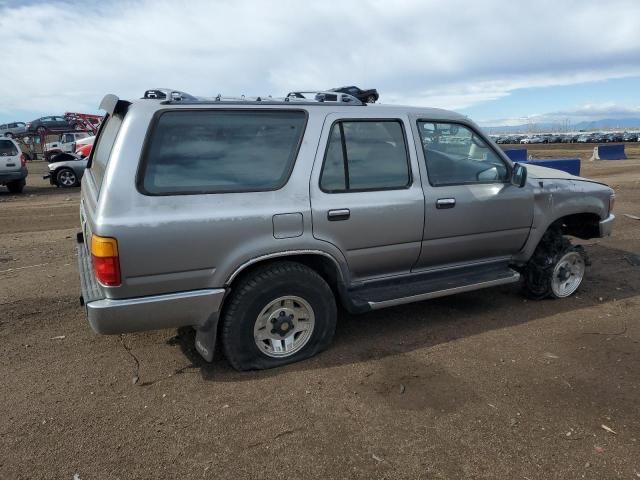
x,y
216,151
104,144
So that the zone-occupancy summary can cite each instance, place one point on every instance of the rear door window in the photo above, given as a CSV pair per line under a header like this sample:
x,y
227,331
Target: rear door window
x,y
365,155
215,151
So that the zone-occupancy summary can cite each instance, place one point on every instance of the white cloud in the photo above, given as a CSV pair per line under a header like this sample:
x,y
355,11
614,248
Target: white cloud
x,y
64,56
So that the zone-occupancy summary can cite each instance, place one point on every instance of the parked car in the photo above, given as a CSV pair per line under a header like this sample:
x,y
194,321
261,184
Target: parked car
x,y
14,129
292,208
532,139
613,137
365,96
13,166
630,137
43,125
66,170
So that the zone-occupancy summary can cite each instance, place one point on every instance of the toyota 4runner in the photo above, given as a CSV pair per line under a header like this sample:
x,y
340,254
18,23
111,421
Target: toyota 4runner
x,y
251,219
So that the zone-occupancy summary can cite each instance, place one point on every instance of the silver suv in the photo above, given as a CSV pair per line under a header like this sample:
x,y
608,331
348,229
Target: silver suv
x,y
251,220
13,166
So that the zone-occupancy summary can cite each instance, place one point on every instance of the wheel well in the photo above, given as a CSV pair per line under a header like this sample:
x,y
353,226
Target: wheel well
x,y
323,265
580,225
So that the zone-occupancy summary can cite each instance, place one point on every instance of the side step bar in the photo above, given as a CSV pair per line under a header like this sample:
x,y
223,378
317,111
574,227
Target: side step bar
x,y
429,285
515,276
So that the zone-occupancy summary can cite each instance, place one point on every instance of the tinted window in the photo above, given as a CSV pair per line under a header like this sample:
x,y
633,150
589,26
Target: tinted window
x,y
455,154
365,155
103,146
222,151
8,148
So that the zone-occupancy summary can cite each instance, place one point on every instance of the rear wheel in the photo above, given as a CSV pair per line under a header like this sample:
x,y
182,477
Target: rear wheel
x,y
280,314
556,269
16,186
66,178
8,135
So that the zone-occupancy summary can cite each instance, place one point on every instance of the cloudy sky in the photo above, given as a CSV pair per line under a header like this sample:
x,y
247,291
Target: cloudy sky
x,y
498,61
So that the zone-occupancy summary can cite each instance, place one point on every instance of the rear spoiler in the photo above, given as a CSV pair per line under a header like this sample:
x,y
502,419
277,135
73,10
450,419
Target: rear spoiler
x,y
113,105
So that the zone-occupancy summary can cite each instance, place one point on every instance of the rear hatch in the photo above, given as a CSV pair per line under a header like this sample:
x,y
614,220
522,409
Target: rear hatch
x,y
9,156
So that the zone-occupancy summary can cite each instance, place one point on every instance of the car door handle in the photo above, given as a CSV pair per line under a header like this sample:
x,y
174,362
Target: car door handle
x,y
445,203
339,214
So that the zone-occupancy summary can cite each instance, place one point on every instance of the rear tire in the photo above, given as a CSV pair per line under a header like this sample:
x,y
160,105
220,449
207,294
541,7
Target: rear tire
x,y
16,186
556,269
279,307
8,135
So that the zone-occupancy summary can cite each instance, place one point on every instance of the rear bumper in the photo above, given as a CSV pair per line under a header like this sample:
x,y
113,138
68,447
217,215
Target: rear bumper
x,y
606,225
199,308
6,177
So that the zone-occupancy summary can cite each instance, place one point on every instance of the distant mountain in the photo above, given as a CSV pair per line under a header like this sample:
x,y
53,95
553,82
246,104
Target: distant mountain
x,y
604,124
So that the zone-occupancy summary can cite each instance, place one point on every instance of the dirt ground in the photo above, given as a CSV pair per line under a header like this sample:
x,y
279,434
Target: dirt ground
x,y
479,385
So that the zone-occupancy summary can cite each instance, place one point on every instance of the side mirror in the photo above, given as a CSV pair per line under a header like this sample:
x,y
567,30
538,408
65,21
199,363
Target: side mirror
x,y
519,175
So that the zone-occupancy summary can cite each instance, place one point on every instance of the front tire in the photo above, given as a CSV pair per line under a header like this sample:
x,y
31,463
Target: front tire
x,y
371,99
281,313
556,269
66,178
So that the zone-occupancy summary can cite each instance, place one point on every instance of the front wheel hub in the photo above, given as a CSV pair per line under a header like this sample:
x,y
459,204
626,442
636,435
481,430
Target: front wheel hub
x,y
567,274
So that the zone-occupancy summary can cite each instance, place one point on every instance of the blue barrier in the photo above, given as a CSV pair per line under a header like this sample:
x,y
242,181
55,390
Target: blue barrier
x,y
611,152
516,154
569,165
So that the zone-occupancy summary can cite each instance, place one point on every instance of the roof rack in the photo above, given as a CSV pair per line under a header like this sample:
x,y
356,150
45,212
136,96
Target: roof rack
x,y
167,95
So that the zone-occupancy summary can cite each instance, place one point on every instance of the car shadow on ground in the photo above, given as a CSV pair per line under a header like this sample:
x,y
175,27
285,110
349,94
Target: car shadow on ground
x,y
613,277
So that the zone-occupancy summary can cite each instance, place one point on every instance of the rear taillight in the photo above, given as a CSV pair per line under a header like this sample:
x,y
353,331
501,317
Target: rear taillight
x,y
106,264
23,161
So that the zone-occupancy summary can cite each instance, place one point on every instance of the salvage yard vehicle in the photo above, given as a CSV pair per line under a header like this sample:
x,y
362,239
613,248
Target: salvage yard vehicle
x,y
13,166
368,96
43,125
14,129
250,220
66,170
66,143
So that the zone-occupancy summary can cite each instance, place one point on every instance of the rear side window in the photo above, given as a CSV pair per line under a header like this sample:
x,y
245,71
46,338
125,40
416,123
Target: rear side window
x,y
216,151
8,148
104,145
365,155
